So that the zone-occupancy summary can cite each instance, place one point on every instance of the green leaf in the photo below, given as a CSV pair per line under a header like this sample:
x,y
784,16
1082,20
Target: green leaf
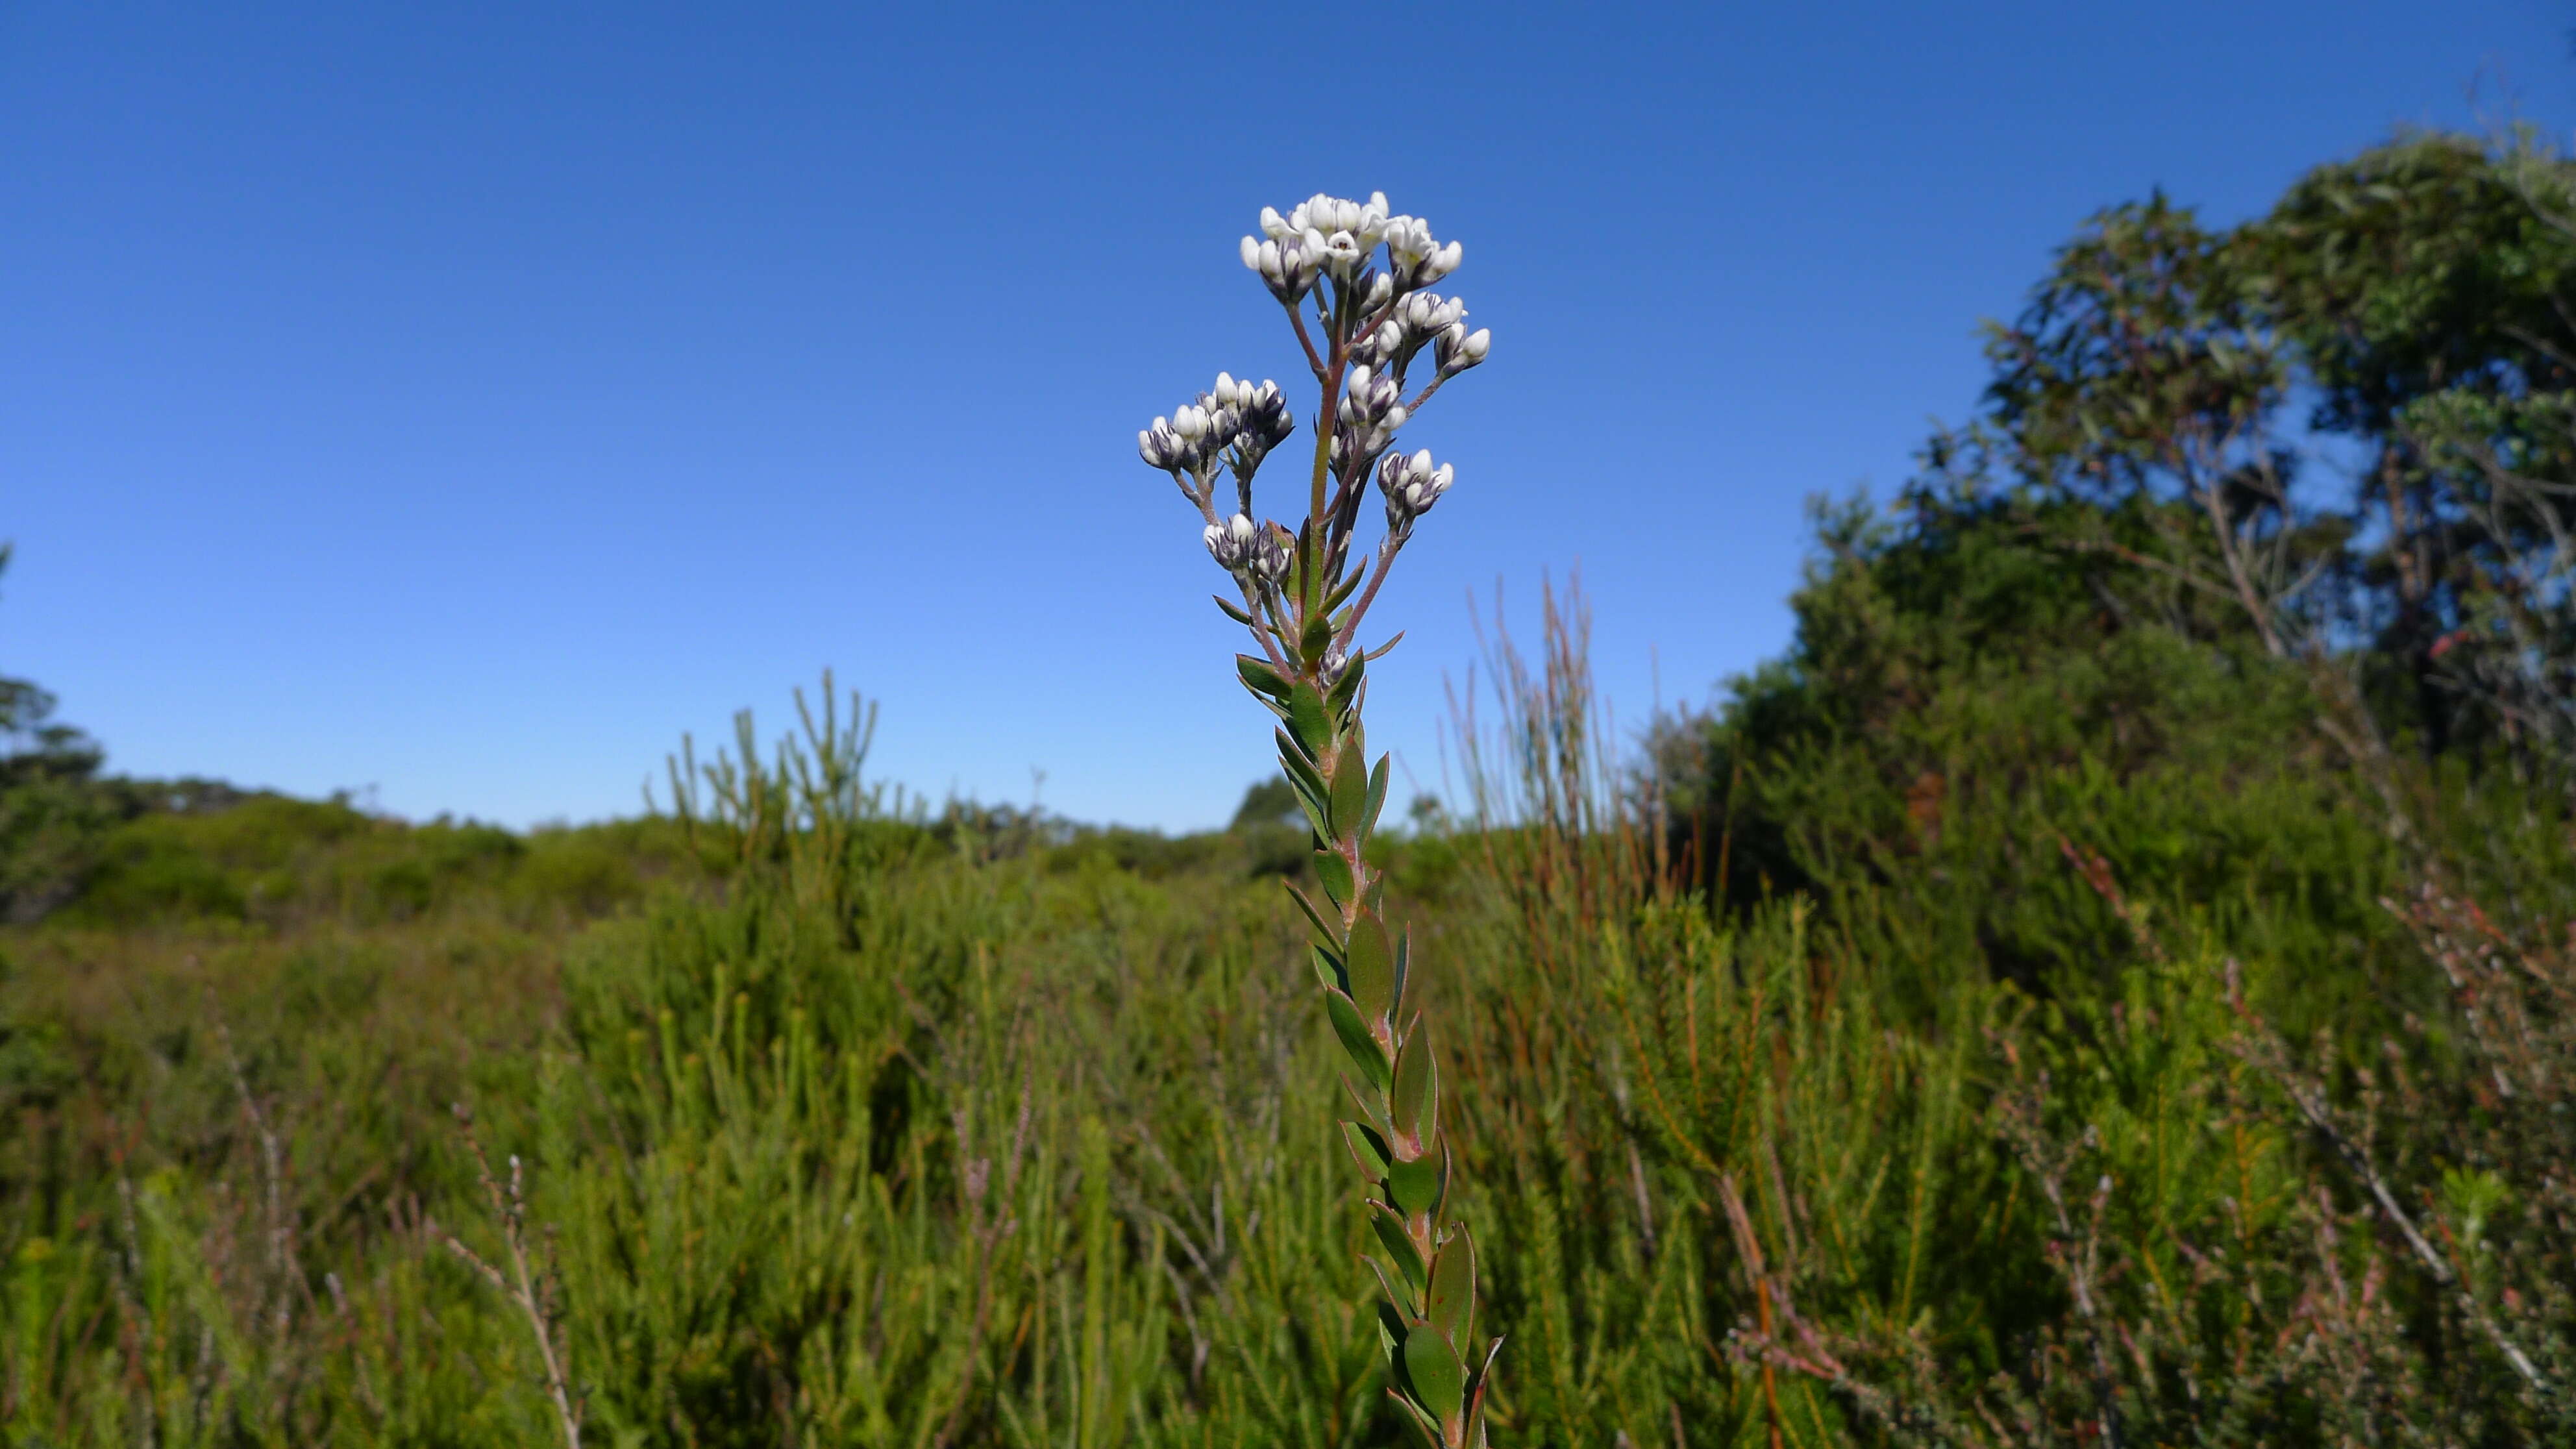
x,y
1302,779
1369,1105
1257,672
1347,688
1350,796
1371,969
1366,1054
1416,1184
1435,1373
1308,721
1485,1375
1399,1245
1232,611
1312,804
1413,1103
1420,1421
1476,1395
1451,1302
1299,765
1348,586
1328,930
1367,1149
1390,1324
1335,873
1403,975
1328,970
1376,800
1317,638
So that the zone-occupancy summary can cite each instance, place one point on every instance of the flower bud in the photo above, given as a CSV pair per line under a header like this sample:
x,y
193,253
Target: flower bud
x,y
1379,347
1268,555
1428,314
1458,349
1266,422
1287,268
1411,486
1231,543
1369,396
1161,447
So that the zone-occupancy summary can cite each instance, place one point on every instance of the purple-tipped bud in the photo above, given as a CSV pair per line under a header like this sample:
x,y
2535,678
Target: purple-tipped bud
x,y
1458,349
1269,555
1411,486
1161,447
1232,543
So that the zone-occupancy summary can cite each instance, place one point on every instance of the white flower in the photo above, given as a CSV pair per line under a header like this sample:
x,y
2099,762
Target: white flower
x,y
1370,399
1417,259
1366,222
1459,349
1286,264
1380,346
1338,232
1231,543
1341,251
1428,314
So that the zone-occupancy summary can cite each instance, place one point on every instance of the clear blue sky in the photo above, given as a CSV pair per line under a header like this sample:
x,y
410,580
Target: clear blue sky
x,y
463,401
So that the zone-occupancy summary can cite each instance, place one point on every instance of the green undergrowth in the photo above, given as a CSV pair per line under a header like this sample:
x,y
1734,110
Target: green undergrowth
x,y
1001,1136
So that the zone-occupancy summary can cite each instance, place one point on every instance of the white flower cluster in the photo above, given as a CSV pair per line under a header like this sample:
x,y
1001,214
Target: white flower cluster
x,y
1372,408
1411,486
1372,319
1425,318
1248,549
1234,424
1333,236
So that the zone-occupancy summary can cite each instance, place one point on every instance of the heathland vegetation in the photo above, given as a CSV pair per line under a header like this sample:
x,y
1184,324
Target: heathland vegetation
x,y
2108,981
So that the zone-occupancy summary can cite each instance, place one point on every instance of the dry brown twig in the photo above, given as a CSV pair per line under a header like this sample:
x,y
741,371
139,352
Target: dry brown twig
x,y
2262,1050
533,1289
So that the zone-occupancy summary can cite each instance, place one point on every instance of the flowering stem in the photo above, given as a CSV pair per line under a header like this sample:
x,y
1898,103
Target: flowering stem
x,y
1386,553
1297,320
1300,607
1338,352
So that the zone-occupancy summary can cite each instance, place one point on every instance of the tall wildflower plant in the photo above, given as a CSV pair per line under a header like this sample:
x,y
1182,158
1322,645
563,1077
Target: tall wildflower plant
x,y
1354,281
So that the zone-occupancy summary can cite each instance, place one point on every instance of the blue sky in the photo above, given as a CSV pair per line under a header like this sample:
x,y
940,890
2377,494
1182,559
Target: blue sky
x,y
460,402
